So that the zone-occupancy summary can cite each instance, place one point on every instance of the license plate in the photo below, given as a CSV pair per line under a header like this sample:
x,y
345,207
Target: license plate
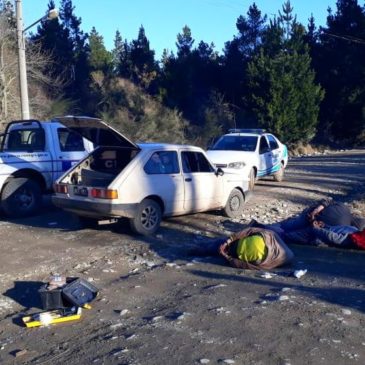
x,y
80,191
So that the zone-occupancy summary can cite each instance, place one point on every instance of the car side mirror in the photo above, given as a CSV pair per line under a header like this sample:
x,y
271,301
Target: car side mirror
x,y
219,172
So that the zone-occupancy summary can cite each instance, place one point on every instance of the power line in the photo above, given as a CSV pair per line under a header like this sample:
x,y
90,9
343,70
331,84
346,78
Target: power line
x,y
345,37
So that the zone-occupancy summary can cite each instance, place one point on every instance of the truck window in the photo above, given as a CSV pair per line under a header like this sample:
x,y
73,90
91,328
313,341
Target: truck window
x,y
70,141
25,140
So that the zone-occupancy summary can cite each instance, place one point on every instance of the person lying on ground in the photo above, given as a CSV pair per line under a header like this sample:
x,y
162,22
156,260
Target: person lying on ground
x,y
299,229
251,248
339,236
332,235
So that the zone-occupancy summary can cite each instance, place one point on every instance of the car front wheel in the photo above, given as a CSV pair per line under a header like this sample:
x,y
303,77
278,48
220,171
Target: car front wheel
x,y
251,179
234,206
279,175
148,218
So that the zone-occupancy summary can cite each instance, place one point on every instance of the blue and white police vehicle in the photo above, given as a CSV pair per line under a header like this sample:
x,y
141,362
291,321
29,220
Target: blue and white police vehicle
x,y
33,154
253,151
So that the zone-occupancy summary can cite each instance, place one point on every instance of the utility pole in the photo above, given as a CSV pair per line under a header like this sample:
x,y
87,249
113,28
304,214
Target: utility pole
x,y
23,84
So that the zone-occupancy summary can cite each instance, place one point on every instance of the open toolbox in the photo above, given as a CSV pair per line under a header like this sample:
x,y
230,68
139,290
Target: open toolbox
x,y
76,292
79,292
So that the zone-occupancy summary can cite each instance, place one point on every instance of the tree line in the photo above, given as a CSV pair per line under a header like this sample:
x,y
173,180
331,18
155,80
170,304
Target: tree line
x,y
302,82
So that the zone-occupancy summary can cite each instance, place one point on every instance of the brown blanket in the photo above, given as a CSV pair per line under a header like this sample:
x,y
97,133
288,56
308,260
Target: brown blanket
x,y
278,253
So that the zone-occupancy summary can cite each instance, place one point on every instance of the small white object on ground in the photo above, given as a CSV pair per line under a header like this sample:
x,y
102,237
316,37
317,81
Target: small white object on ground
x,y
266,275
299,273
204,361
229,361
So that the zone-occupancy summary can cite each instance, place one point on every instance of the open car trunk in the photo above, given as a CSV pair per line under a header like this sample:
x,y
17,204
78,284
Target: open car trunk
x,y
101,167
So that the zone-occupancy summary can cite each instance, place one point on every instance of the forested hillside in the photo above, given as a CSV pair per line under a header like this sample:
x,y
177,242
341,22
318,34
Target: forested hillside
x,y
303,82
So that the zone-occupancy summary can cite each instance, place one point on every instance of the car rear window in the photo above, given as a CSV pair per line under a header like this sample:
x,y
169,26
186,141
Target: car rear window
x,y
236,143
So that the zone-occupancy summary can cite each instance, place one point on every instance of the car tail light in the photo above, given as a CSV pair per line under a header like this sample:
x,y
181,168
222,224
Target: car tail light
x,y
61,188
104,193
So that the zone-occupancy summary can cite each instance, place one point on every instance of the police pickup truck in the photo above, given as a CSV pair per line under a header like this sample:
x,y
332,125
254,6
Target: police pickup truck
x,y
33,154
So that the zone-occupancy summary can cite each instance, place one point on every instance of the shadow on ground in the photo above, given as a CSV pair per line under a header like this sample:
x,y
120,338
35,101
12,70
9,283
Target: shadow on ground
x,y
26,293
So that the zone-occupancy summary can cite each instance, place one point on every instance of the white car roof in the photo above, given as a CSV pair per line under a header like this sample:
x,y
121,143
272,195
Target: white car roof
x,y
166,146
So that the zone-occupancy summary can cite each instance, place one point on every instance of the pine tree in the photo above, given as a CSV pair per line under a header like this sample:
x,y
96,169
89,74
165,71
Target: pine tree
x,y
184,42
239,52
142,58
285,97
117,50
53,39
341,70
99,58
78,88
64,40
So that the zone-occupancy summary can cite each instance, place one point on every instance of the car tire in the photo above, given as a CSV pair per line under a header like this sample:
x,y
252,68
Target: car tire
x,y
87,222
279,175
21,197
234,206
147,219
251,179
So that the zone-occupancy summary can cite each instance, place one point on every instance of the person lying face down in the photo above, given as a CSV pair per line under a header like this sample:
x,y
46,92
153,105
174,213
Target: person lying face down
x,y
305,227
251,248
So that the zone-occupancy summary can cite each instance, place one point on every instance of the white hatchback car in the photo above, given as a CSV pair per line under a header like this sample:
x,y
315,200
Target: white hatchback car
x,y
252,152
143,182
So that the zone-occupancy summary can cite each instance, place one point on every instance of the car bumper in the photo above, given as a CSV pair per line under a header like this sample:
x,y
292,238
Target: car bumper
x,y
95,209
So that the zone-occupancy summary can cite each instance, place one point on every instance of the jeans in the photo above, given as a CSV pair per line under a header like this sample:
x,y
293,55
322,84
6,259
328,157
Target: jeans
x,y
331,237
294,229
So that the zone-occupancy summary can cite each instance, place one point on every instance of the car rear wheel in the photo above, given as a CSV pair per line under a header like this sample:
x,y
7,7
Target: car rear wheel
x,y
21,197
234,206
279,175
147,219
251,179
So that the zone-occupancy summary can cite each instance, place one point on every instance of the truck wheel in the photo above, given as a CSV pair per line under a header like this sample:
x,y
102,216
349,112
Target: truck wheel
x,y
147,219
234,206
21,197
279,176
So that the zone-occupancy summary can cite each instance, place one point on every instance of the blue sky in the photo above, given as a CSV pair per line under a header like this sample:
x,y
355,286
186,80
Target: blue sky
x,y
209,20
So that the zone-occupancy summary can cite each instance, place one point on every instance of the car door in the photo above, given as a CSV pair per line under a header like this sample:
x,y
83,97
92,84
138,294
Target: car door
x,y
275,153
265,160
203,189
69,148
163,178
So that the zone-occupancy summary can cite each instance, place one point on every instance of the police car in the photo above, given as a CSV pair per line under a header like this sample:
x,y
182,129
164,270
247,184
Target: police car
x,y
253,151
33,154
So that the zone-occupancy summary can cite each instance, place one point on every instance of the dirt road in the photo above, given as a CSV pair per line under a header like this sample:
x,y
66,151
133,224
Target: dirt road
x,y
158,305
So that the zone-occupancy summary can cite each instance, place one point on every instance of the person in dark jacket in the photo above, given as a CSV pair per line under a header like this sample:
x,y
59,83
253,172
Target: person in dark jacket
x,y
251,248
305,228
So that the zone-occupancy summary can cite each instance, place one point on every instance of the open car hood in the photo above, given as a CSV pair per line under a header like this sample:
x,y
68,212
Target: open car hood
x,y
96,131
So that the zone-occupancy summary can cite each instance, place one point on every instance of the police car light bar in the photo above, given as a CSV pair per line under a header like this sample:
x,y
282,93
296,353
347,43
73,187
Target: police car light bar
x,y
256,131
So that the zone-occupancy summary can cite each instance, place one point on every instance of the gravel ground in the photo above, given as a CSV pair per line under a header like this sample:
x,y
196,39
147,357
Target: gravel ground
x,y
158,305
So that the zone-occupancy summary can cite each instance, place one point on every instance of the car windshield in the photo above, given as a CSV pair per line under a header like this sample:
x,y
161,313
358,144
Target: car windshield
x,y
236,143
